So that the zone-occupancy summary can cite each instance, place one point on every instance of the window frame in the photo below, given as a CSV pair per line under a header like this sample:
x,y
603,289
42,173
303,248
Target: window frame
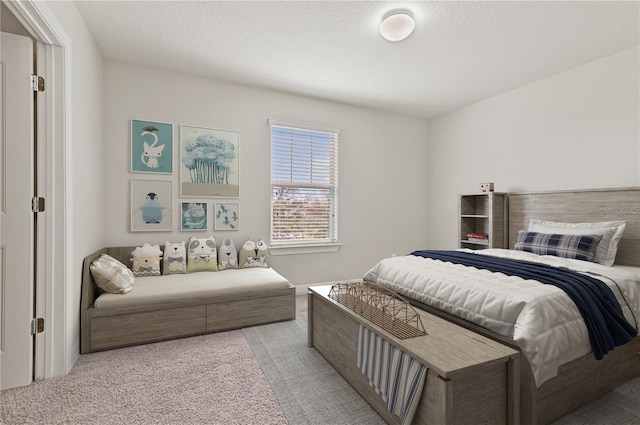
x,y
297,246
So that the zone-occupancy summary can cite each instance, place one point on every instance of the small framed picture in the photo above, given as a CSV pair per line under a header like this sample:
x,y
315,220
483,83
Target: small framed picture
x,y
151,202
209,162
194,216
151,147
227,216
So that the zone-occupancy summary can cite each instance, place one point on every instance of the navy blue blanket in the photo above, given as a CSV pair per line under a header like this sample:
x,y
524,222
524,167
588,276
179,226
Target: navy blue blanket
x,y
601,311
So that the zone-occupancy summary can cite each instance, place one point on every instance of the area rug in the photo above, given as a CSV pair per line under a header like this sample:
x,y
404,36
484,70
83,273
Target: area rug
x,y
308,388
209,379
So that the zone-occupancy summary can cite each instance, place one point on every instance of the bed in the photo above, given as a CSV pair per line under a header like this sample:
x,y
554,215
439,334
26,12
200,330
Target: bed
x,y
560,373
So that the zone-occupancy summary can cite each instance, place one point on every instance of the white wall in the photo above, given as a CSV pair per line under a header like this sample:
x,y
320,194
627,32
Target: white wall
x,y
9,23
86,168
576,130
382,160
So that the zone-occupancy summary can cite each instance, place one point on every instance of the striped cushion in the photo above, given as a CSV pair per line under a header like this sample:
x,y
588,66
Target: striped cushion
x,y
579,247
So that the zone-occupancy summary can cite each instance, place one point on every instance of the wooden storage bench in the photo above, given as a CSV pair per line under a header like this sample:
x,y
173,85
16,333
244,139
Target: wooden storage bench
x,y
470,380
185,314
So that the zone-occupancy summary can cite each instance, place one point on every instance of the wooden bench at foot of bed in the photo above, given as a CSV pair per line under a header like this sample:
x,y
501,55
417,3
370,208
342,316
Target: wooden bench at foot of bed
x,y
471,379
181,316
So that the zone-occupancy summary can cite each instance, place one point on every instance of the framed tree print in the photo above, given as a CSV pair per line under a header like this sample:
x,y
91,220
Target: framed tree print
x,y
227,216
209,162
151,147
151,202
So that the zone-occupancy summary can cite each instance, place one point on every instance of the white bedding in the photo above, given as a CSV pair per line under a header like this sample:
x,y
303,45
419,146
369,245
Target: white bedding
x,y
541,318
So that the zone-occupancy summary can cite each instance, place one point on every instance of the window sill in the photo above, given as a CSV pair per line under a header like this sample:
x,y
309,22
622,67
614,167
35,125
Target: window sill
x,y
303,248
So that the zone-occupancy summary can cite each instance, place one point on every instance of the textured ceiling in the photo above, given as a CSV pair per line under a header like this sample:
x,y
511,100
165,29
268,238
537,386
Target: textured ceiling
x,y
460,53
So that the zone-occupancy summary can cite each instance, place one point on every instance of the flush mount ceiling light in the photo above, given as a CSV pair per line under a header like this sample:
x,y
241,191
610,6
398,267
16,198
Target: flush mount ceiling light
x,y
397,25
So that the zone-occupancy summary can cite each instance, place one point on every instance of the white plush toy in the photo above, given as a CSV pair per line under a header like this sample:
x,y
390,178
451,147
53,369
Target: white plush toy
x,y
227,255
146,260
254,254
202,255
175,258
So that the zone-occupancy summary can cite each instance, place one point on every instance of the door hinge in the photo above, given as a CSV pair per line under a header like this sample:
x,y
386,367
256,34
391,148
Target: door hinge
x,y
37,204
37,83
37,325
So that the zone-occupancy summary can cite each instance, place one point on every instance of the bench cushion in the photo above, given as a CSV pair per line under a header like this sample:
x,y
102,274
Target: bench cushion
x,y
199,286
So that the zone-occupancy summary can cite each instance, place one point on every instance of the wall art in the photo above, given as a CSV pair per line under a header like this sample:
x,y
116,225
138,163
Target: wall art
x,y
227,216
151,147
151,202
194,216
209,162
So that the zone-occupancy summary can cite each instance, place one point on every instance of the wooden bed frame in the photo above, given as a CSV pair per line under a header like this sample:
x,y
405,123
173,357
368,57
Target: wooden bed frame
x,y
578,381
585,378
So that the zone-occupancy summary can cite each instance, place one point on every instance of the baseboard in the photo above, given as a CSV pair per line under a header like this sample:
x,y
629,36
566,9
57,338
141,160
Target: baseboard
x,y
303,289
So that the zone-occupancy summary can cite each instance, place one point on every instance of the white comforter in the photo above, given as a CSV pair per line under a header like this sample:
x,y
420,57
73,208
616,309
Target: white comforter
x,y
541,318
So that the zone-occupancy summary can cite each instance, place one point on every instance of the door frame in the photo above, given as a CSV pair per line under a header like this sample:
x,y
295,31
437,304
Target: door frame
x,y
54,354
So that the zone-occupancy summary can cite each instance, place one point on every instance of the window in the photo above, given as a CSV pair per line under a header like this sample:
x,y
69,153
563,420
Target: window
x,y
304,184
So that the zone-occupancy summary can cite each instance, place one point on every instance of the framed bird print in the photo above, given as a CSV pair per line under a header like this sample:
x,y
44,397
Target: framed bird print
x,y
151,205
151,147
227,216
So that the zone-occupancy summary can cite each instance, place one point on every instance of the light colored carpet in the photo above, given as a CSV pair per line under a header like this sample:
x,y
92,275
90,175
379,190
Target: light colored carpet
x,y
263,375
211,379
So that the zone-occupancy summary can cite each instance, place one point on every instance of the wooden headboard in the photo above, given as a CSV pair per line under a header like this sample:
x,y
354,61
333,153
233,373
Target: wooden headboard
x,y
580,206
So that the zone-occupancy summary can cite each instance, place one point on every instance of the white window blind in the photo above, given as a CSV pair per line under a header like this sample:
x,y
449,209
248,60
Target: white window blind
x,y
304,183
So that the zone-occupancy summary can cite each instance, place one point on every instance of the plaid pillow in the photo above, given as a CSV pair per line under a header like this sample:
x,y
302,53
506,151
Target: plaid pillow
x,y
579,247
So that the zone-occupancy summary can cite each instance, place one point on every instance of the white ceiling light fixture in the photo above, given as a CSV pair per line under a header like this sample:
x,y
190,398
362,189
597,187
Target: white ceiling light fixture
x,y
397,25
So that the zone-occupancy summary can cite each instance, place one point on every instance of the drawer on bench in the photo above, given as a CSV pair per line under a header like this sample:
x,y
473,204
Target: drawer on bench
x,y
136,328
250,312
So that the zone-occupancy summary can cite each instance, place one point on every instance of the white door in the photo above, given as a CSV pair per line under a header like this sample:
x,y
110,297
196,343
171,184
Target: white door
x,y
16,217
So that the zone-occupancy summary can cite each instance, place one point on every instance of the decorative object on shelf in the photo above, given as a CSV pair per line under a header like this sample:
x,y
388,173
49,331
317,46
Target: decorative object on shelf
x,y
151,147
381,306
486,187
227,216
478,237
209,162
483,220
194,216
151,202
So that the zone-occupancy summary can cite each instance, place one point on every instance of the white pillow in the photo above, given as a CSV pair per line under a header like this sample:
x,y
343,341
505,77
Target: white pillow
x,y
146,260
111,275
253,254
227,255
611,232
174,260
202,255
